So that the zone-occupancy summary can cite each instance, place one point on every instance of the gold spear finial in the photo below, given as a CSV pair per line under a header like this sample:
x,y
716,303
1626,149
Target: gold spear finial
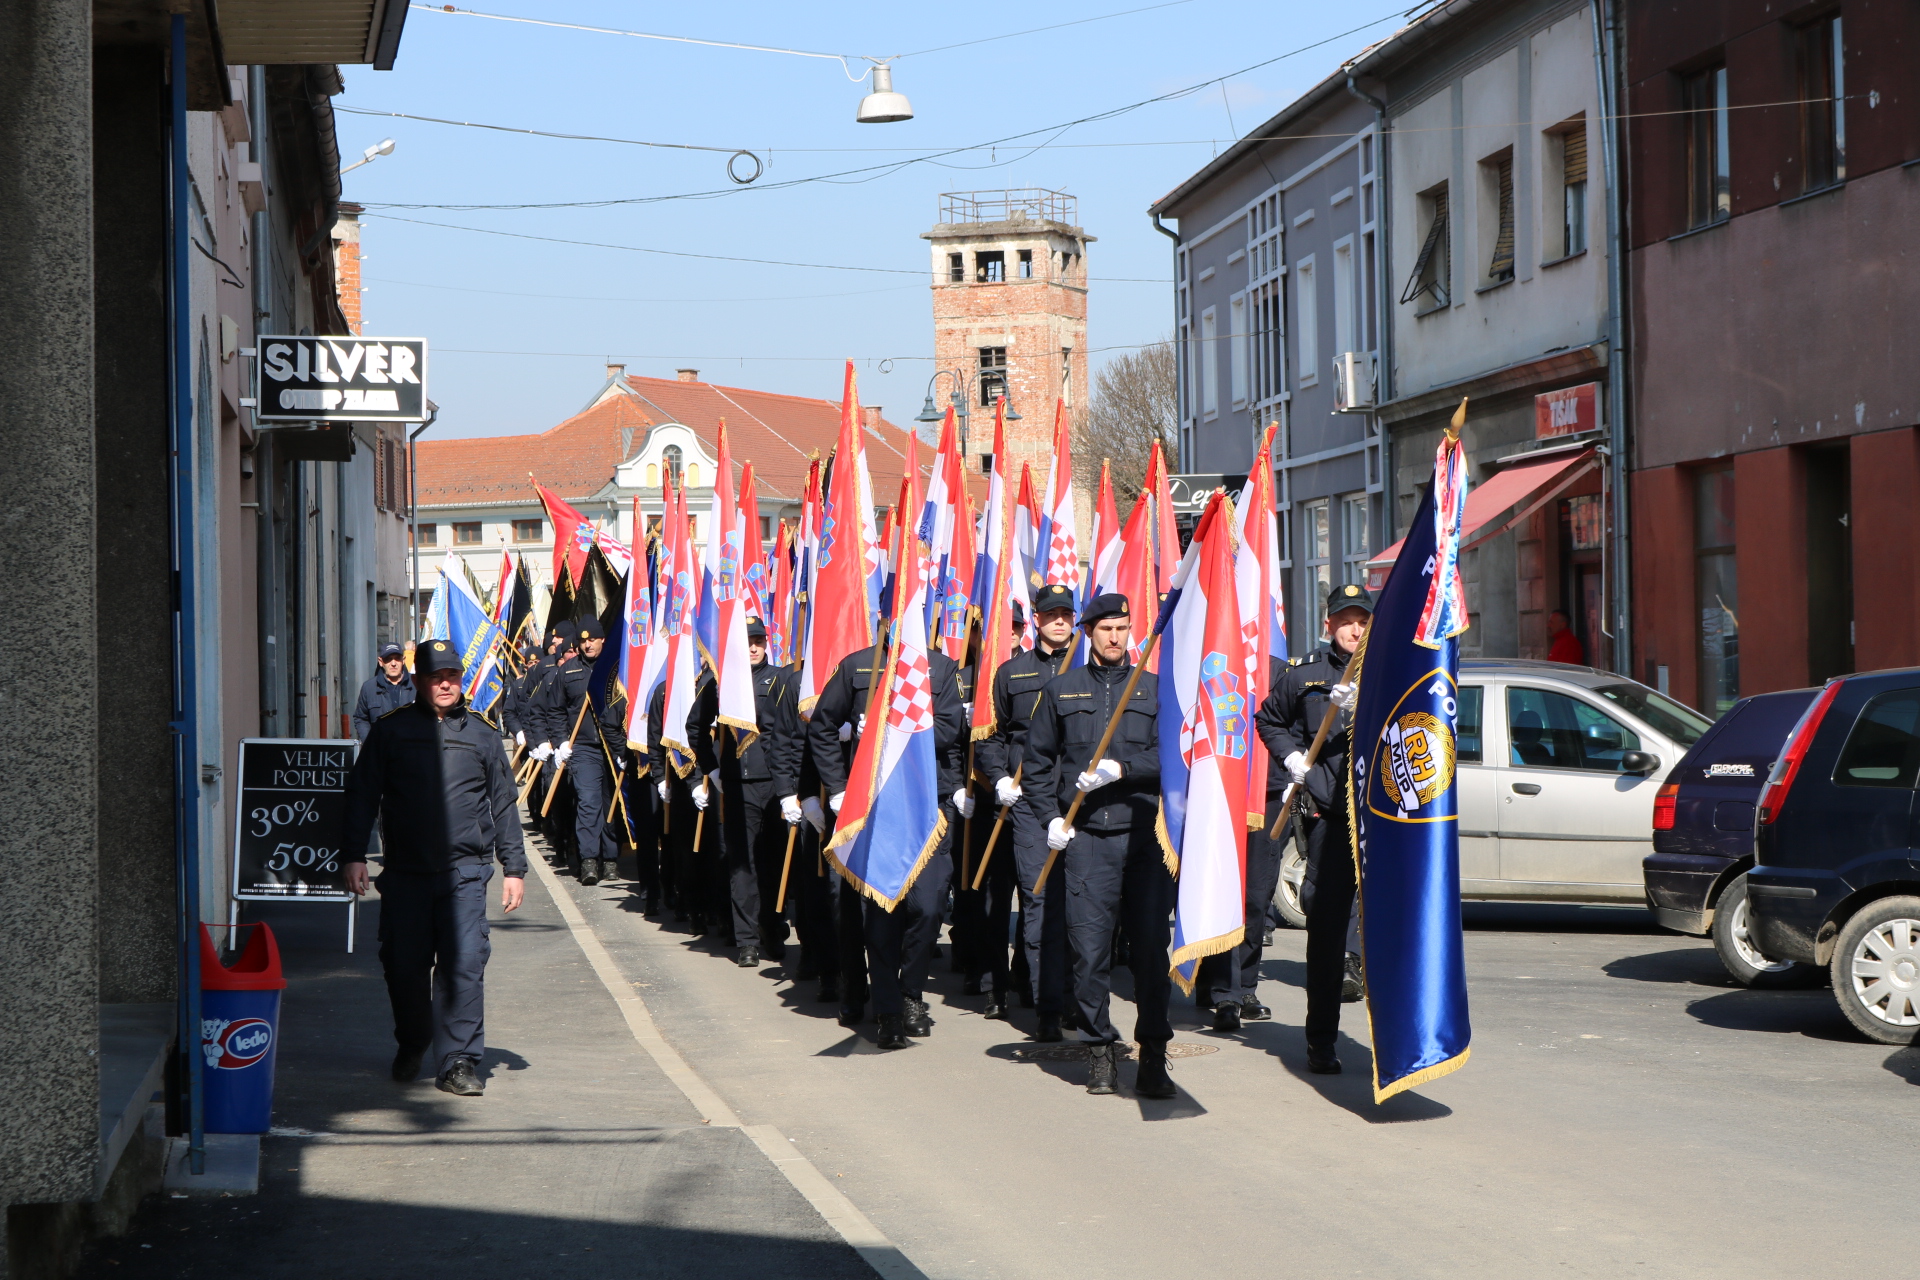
x,y
1459,421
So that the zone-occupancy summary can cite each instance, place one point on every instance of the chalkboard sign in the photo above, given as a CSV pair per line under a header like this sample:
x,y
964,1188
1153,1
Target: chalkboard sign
x,y
290,819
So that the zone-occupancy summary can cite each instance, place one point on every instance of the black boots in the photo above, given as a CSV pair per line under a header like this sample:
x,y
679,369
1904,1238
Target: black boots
x,y
1251,1010
917,1018
749,958
1226,1016
1049,1029
462,1079
829,989
406,1065
1102,1075
1354,985
999,1005
1321,1060
1153,1080
590,872
893,1031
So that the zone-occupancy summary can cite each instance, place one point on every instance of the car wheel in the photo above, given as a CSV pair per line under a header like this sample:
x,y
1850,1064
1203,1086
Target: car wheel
x,y
1733,942
1876,970
1293,874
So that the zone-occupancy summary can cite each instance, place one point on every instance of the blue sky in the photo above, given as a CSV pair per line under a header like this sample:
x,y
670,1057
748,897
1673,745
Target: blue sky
x,y
562,310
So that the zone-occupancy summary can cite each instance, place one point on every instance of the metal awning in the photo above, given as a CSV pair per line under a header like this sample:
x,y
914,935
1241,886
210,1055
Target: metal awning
x,y
1542,481
279,32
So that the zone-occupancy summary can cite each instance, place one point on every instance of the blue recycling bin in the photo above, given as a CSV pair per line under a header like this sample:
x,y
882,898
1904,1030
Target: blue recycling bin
x,y
239,1032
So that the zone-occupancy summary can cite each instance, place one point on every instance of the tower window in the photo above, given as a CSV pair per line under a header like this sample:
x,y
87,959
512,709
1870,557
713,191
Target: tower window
x,y
1026,264
993,375
957,268
990,266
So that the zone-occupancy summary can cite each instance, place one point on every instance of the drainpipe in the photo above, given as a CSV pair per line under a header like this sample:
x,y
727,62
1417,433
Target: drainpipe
x,y
1605,63
1179,352
265,465
1383,318
186,717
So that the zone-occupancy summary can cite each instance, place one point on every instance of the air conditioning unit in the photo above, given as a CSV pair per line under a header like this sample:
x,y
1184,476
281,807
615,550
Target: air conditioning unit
x,y
1352,382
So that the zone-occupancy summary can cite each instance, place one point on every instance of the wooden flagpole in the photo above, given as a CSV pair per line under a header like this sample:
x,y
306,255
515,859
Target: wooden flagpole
x,y
780,902
993,837
577,722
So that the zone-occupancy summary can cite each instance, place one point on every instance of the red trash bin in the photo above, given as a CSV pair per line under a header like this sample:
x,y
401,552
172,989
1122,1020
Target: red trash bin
x,y
239,1032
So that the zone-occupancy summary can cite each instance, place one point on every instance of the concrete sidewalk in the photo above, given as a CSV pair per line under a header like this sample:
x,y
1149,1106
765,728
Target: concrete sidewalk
x,y
582,1160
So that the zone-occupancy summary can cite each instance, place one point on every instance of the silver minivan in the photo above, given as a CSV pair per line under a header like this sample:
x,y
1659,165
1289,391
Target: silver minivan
x,y
1558,766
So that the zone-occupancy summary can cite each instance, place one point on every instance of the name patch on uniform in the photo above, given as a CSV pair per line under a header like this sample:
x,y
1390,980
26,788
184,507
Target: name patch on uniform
x,y
1075,695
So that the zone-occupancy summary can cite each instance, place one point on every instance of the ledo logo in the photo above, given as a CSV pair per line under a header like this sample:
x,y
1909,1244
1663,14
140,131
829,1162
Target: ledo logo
x,y
239,1043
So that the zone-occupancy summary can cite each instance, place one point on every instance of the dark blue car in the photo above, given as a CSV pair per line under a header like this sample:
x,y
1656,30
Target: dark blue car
x,y
1837,877
1703,835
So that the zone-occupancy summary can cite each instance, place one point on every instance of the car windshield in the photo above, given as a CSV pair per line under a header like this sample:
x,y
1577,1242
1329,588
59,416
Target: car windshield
x,y
1681,723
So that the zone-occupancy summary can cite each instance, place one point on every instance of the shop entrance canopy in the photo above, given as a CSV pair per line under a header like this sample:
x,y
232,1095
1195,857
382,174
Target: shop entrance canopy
x,y
1531,483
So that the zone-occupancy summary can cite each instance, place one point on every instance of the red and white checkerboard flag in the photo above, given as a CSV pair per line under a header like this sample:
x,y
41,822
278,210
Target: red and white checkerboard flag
x,y
1058,553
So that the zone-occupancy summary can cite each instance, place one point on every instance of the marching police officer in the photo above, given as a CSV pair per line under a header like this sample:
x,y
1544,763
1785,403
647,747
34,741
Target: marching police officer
x,y
1287,723
898,943
759,790
437,779
581,743
1016,694
386,690
1116,876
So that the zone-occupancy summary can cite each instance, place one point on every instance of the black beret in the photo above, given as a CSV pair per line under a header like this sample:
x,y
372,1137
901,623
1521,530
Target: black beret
x,y
1110,605
1349,596
436,655
588,629
756,629
1054,596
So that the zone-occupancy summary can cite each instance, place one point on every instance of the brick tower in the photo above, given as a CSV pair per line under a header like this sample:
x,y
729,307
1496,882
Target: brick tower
x,y
1010,312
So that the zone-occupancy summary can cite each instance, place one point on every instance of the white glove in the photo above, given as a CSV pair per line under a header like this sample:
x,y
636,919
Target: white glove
x,y
963,802
520,738
833,801
1006,791
1059,834
862,726
1297,767
563,752
846,732
1103,773
543,752
810,807
790,810
661,787
700,795
1342,695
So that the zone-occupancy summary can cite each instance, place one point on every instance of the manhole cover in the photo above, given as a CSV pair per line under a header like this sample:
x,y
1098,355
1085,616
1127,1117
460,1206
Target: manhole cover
x,y
1076,1051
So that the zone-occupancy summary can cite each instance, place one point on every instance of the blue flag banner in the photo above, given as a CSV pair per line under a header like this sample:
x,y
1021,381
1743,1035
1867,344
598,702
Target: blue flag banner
x,y
1405,826
471,630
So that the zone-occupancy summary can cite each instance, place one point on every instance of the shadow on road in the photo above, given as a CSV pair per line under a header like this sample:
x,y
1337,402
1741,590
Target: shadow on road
x,y
1555,917
1352,1090
1905,1063
1806,1013
1698,966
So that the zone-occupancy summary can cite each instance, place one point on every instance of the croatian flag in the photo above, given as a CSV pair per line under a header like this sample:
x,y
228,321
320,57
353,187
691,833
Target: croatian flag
x,y
806,543
1444,613
992,545
841,604
1205,730
1057,543
721,622
1263,614
1026,542
946,527
679,590
569,551
1166,532
890,822
754,557
1138,581
779,618
997,643
639,649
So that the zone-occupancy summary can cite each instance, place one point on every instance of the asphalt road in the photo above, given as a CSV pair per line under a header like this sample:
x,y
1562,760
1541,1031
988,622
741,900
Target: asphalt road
x,y
1627,1111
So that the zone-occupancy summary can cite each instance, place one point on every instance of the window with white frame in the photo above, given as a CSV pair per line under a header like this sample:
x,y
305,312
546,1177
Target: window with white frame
x,y
1567,143
1343,336
1209,363
1353,538
1316,540
1266,326
1306,323
1237,346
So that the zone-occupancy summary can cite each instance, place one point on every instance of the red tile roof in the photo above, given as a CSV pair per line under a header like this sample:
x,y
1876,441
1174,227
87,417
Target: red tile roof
x,y
576,459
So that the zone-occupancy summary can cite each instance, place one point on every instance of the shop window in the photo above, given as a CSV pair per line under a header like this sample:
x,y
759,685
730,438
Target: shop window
x,y
1716,591
529,530
1433,267
1709,190
1823,103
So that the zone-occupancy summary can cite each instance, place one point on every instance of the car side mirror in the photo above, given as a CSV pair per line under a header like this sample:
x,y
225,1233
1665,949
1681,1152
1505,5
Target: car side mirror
x,y
1640,762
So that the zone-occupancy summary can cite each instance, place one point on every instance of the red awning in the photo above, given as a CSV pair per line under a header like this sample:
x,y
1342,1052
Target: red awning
x,y
1502,490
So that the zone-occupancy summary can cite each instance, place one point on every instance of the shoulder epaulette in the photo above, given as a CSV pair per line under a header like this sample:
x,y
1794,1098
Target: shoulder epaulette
x,y
1294,662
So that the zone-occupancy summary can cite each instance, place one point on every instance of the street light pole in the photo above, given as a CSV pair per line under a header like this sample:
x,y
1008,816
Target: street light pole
x,y
962,400
413,518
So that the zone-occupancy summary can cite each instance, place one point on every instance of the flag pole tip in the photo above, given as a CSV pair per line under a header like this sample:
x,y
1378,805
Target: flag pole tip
x,y
1459,421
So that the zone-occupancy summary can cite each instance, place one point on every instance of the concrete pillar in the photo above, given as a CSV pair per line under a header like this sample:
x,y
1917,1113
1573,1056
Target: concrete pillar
x,y
49,704
1770,554
1886,548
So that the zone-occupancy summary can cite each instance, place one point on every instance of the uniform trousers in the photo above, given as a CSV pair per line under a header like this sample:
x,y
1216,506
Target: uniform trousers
x,y
900,942
592,796
1234,976
988,907
1330,880
755,838
1043,921
1118,880
814,892
643,818
434,944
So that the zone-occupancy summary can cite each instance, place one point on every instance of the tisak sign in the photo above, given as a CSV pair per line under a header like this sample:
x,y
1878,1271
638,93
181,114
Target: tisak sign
x,y
340,379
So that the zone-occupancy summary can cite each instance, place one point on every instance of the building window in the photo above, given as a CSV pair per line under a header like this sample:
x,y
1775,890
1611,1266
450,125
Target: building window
x,y
1353,538
1433,267
957,268
1209,363
1343,339
670,457
427,535
1026,264
1716,590
466,533
1318,575
1306,324
1496,183
993,375
990,267
1709,192
1823,114
529,530
1237,347
1572,138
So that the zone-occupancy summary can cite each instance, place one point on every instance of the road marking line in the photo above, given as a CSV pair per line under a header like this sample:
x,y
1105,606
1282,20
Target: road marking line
x,y
827,1200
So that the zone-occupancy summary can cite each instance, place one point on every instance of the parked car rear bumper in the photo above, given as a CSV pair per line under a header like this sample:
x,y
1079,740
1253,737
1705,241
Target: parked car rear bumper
x,y
1787,908
1680,889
